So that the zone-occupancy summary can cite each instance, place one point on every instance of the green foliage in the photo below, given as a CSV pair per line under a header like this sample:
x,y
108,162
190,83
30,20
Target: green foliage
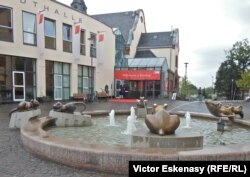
x,y
186,89
244,81
240,54
237,60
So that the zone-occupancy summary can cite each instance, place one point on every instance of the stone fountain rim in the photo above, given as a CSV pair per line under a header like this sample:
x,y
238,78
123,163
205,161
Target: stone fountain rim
x,y
104,158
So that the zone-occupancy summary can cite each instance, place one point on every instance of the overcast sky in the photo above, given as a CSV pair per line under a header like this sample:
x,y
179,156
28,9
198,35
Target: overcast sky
x,y
206,27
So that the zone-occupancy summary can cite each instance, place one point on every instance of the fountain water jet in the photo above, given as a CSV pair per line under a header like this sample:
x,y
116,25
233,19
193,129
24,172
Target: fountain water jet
x,y
188,119
130,126
112,118
131,119
132,113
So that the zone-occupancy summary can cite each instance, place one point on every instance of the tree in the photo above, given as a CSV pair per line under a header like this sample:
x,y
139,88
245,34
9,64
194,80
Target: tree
x,y
240,54
244,82
225,78
187,88
238,60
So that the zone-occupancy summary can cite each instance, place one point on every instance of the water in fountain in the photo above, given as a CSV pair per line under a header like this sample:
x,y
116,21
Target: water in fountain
x,y
112,118
130,126
182,105
131,119
132,113
188,119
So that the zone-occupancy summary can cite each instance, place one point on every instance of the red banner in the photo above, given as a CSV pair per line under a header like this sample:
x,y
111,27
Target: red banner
x,y
137,75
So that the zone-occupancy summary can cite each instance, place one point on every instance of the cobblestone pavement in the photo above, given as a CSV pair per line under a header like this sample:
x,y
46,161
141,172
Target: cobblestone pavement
x,y
16,162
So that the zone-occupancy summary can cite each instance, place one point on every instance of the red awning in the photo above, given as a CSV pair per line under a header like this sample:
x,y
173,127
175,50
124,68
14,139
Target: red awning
x,y
137,75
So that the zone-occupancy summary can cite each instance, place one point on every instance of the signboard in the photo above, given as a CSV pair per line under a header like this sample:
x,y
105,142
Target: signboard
x,y
137,75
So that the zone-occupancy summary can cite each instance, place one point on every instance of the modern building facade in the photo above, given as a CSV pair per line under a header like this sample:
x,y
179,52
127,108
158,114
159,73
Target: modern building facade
x,y
138,47
43,62
51,50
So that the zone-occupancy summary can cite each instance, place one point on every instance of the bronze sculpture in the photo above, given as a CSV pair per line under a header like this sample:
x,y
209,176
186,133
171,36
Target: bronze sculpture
x,y
68,107
142,102
156,107
25,106
161,122
217,109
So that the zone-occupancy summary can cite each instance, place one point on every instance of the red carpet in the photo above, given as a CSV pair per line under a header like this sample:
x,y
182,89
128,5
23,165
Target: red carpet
x,y
123,100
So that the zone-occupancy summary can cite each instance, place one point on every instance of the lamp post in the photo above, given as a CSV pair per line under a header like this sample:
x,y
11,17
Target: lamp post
x,y
91,39
186,63
232,90
212,84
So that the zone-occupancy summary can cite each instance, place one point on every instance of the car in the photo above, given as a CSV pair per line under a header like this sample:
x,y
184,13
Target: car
x,y
248,98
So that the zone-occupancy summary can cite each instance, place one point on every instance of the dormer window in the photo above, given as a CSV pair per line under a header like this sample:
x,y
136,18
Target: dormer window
x,y
142,19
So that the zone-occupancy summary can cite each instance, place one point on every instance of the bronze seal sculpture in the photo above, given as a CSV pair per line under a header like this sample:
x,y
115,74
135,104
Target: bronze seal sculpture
x,y
142,102
162,122
217,109
25,106
68,107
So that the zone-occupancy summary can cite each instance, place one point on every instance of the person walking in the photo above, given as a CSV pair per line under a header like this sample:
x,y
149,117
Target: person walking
x,y
122,91
174,94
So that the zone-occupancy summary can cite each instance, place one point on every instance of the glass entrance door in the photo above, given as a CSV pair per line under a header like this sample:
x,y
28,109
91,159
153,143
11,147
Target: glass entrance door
x,y
57,87
18,86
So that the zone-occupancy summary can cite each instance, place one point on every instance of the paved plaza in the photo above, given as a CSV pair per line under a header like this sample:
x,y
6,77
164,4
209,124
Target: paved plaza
x,y
16,162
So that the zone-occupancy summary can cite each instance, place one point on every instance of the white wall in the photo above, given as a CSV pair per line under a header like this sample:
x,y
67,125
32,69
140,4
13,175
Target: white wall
x,y
61,14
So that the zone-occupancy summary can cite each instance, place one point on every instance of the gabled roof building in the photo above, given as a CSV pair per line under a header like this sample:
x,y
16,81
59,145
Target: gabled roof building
x,y
50,51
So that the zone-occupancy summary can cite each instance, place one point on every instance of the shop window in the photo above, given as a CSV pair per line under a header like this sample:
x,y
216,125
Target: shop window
x,y
67,38
6,24
29,28
82,43
50,34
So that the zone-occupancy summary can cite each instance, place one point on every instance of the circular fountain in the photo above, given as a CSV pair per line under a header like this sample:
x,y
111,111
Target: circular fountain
x,y
114,158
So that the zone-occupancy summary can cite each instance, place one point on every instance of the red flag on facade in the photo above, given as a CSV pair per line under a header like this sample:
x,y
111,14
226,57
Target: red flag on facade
x,y
101,37
76,42
40,35
77,29
41,18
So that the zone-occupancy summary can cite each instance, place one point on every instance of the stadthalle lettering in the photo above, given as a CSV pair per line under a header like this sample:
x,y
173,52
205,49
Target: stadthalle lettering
x,y
47,8
176,169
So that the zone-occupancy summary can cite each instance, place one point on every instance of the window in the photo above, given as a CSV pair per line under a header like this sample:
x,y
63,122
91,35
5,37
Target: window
x,y
29,28
85,80
176,61
67,38
82,43
58,87
50,34
6,25
92,45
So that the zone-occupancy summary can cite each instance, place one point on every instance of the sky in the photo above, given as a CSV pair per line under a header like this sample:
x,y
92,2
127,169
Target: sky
x,y
207,28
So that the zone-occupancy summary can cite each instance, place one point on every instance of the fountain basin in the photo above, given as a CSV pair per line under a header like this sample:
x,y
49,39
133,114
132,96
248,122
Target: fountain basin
x,y
142,138
112,158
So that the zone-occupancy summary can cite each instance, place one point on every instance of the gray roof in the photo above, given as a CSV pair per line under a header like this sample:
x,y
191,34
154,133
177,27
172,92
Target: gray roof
x,y
144,54
122,20
157,39
146,62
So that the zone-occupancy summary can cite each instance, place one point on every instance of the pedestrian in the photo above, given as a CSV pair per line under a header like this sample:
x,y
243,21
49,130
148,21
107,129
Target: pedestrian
x,y
122,91
174,94
199,93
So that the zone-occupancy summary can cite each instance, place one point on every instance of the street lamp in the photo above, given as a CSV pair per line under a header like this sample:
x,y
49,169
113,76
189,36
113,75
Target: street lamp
x,y
232,90
186,63
212,84
91,39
